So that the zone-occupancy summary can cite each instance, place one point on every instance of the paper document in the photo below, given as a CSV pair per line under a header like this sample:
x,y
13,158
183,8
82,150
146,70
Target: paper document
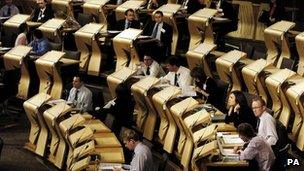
x,y
232,139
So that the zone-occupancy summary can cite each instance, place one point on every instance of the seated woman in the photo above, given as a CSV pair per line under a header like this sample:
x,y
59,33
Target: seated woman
x,y
205,87
21,38
122,108
239,111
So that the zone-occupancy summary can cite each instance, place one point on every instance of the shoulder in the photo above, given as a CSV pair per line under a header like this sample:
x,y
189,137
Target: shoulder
x,y
184,69
85,89
257,141
166,25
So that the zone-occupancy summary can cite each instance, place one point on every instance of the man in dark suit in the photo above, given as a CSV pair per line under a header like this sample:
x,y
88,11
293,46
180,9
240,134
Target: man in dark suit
x,y
43,13
128,22
161,31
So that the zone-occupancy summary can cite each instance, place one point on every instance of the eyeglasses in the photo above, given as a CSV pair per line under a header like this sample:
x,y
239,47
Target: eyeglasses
x,y
256,107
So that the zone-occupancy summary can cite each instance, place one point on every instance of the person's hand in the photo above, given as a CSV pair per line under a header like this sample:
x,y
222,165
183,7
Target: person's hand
x,y
154,2
271,19
237,108
236,150
230,110
239,151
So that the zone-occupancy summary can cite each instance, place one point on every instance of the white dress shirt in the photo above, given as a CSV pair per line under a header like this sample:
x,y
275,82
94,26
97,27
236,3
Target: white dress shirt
x,y
183,77
261,151
142,159
159,30
84,98
267,128
155,70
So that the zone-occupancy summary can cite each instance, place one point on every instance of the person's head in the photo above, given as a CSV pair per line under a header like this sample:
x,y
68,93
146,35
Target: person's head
x,y
8,2
129,14
41,3
148,60
258,106
22,28
77,81
246,132
198,75
38,34
201,1
173,64
130,139
158,16
237,97
122,91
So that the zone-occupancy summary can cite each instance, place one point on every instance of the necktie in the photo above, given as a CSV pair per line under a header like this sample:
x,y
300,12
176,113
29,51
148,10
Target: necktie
x,y
258,124
8,11
40,15
154,34
148,71
129,24
76,95
176,80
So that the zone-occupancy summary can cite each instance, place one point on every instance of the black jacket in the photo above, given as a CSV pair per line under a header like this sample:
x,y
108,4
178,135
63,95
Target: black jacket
x,y
121,24
245,115
48,14
166,34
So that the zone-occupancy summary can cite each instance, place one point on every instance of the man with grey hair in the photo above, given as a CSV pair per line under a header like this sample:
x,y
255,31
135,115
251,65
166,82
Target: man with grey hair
x,y
149,67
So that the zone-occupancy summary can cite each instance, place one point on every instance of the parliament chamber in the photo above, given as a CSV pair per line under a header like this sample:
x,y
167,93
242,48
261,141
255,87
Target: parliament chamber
x,y
75,75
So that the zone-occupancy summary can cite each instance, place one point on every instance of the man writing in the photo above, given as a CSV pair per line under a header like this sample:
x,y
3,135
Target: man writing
x,y
142,159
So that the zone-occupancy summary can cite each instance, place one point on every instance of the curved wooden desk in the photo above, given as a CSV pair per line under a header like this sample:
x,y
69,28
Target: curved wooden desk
x,y
88,44
200,27
14,59
38,135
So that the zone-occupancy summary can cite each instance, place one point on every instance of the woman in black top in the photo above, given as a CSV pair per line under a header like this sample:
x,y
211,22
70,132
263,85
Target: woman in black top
x,y
239,111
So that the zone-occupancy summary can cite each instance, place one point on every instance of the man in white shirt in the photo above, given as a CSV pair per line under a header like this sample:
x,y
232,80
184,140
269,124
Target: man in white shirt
x,y
257,149
142,159
150,68
80,96
266,124
178,75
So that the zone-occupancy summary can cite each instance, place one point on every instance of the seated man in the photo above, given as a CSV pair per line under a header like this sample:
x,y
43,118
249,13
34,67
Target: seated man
x,y
142,159
9,9
150,68
161,31
178,75
266,124
257,149
80,96
43,13
128,22
40,44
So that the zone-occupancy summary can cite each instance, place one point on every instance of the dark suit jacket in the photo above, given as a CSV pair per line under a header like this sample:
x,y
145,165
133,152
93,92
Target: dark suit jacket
x,y
121,24
193,6
166,35
245,115
48,14
229,13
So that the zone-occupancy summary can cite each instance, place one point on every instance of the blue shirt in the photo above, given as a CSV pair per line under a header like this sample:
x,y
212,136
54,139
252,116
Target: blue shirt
x,y
40,46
